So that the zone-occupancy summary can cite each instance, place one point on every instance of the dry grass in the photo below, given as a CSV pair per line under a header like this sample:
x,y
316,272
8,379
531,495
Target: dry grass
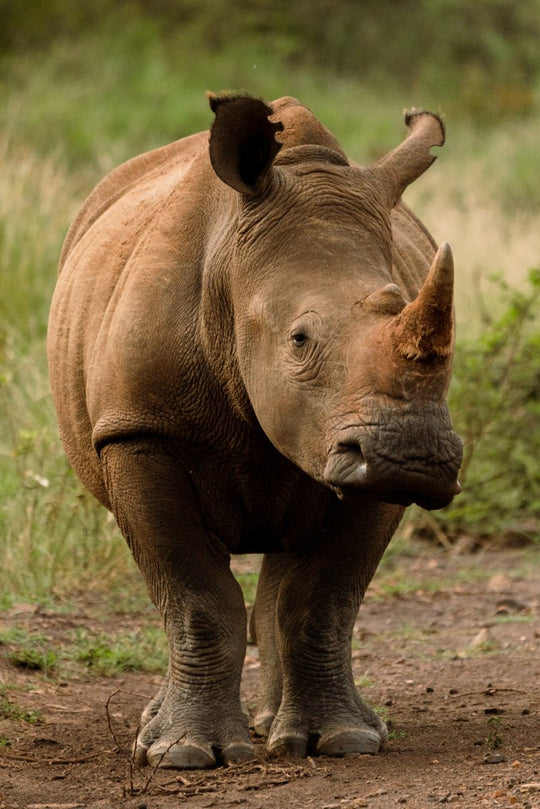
x,y
488,235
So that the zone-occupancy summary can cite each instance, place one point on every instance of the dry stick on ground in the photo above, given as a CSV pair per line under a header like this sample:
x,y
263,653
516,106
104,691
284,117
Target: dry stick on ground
x,y
39,760
490,692
130,756
109,721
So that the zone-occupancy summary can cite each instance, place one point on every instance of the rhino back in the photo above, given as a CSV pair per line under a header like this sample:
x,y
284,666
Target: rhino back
x,y
123,330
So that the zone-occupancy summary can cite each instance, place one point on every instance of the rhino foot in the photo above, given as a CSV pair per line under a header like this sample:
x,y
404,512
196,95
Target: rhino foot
x,y
292,743
353,740
173,738
188,756
357,734
339,742
192,756
238,752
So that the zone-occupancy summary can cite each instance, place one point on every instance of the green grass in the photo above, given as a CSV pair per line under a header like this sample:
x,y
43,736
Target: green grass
x,y
248,583
365,681
14,711
67,116
28,650
111,654
84,651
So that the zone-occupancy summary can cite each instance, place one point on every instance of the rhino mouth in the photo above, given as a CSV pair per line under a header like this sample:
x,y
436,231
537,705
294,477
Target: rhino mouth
x,y
396,497
425,479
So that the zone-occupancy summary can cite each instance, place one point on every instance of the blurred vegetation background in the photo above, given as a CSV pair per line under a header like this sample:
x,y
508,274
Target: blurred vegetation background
x,y
86,85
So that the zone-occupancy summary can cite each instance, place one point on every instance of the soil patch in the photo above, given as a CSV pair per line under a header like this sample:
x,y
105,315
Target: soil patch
x,y
447,646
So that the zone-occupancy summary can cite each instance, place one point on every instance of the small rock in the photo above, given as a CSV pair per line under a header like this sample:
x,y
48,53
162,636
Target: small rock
x,y
499,583
495,758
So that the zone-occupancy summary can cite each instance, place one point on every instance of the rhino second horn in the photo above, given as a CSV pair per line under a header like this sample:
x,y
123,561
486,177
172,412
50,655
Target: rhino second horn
x,y
404,164
425,328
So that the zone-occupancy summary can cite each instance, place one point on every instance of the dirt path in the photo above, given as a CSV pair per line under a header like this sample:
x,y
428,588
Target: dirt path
x,y
446,645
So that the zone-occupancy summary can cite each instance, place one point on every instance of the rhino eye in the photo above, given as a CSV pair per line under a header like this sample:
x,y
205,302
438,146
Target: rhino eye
x,y
299,339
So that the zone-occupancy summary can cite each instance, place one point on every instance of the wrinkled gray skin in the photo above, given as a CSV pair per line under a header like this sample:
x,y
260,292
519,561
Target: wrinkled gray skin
x,y
236,368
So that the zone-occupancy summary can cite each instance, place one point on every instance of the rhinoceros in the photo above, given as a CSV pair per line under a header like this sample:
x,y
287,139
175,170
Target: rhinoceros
x,y
250,346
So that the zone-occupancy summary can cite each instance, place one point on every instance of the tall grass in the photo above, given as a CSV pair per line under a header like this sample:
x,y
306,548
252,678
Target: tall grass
x,y
52,534
69,116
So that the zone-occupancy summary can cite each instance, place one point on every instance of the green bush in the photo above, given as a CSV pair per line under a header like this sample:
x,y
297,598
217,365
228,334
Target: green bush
x,y
482,56
495,402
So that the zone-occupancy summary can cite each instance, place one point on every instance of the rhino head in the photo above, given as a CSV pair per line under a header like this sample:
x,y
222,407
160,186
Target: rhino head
x,y
345,370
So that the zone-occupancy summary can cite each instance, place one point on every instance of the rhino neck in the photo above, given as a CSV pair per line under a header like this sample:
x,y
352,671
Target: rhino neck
x,y
217,318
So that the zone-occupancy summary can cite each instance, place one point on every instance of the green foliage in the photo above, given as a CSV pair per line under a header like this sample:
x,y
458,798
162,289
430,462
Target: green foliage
x,y
248,583
109,655
28,651
494,739
485,53
130,75
100,654
12,710
495,401
33,658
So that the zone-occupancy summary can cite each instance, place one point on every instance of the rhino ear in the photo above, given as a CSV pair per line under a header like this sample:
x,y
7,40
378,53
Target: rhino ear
x,y
410,159
242,141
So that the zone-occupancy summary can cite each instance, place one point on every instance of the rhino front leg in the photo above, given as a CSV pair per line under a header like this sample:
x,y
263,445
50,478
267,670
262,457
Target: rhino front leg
x,y
196,720
317,603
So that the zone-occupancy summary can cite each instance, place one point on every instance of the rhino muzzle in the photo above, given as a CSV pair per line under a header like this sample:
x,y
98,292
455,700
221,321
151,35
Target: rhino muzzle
x,y
364,465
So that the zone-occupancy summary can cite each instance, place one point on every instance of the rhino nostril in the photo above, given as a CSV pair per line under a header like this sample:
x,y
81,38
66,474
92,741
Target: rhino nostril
x,y
351,448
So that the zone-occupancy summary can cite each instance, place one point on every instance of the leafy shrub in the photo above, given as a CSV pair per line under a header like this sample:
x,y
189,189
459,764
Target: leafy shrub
x,y
484,54
495,402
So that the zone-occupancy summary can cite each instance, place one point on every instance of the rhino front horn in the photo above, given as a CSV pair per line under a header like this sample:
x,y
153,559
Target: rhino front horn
x,y
425,328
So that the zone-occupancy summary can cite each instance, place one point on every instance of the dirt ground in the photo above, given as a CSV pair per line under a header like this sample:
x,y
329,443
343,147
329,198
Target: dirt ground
x,y
453,662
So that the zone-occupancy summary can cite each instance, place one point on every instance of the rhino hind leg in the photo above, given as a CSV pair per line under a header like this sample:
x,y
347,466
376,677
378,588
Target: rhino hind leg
x,y
196,719
316,604
152,709
263,630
